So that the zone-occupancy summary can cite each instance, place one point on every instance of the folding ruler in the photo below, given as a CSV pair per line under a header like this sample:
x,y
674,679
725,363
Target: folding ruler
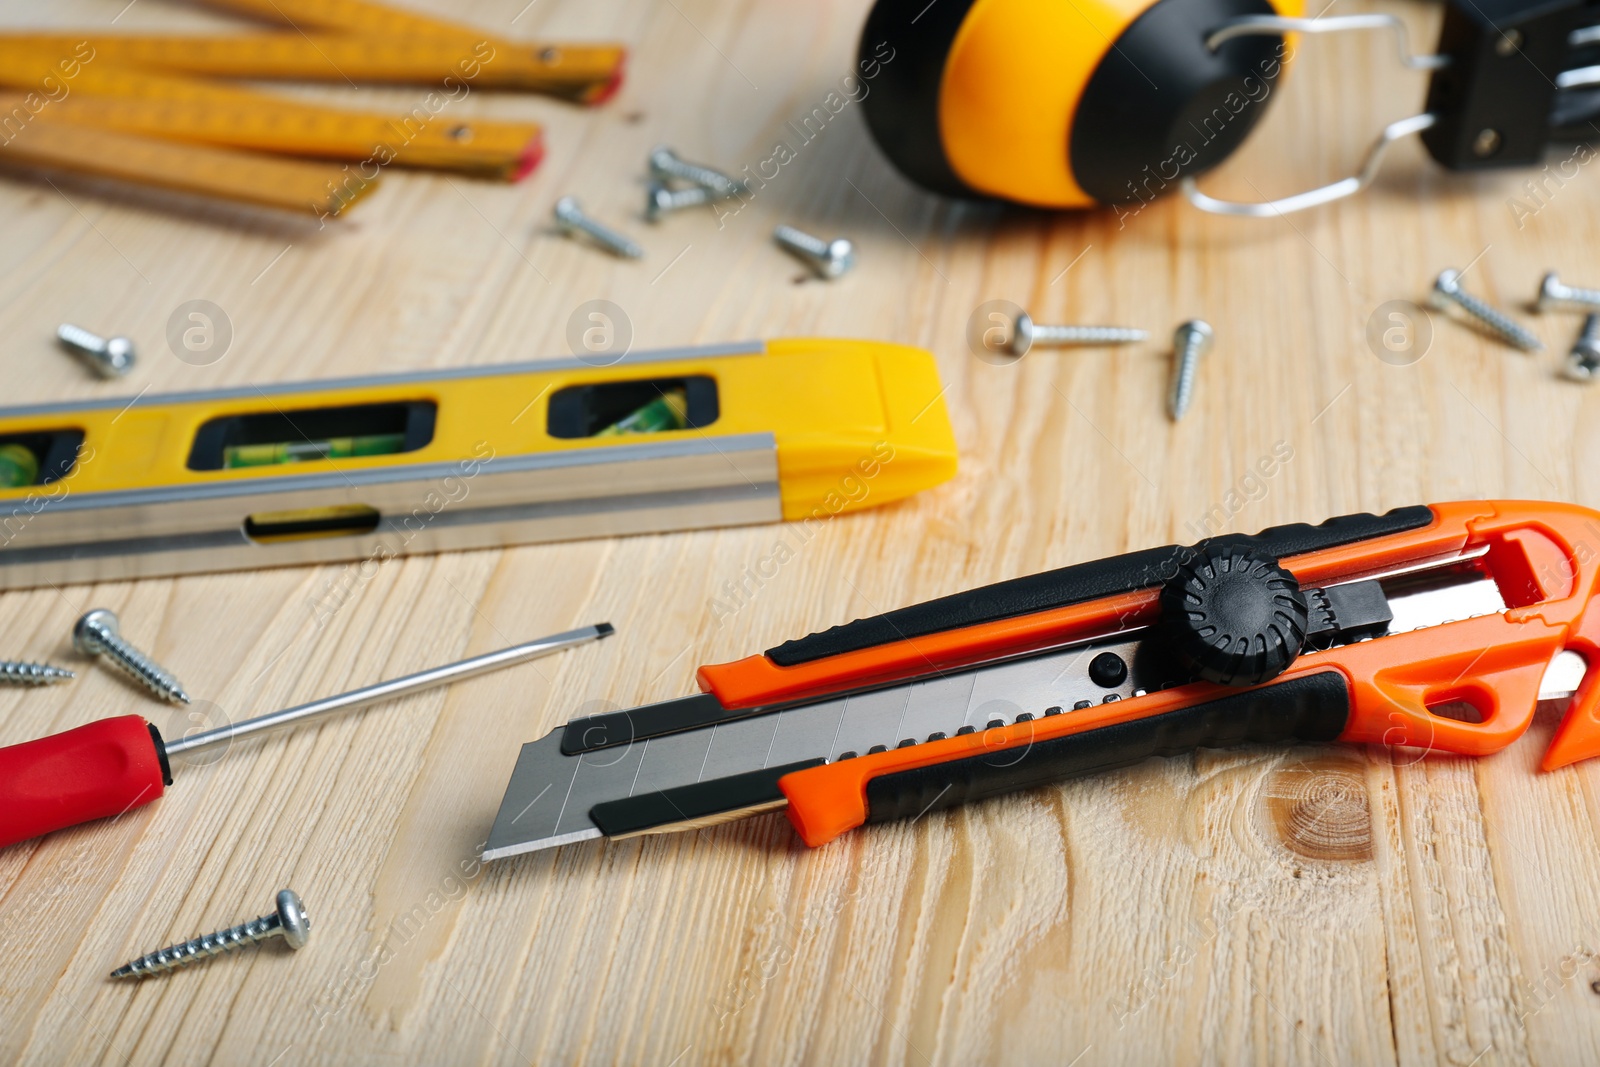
x,y
168,122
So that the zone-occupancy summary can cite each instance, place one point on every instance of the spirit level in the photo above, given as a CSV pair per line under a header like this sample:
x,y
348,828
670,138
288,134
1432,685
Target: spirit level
x,y
1114,101
473,457
1426,629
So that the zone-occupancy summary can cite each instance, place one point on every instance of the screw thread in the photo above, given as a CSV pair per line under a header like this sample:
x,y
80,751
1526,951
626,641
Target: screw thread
x,y
1509,330
570,215
139,667
800,242
80,340
662,199
1583,361
1183,380
1087,335
1555,295
690,197
199,948
664,164
19,672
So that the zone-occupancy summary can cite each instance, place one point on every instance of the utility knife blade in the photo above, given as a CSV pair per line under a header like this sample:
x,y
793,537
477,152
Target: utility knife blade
x,y
1434,628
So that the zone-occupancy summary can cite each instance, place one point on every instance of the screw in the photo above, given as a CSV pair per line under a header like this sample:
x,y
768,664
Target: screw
x,y
829,259
661,200
17,672
1487,143
1556,296
569,214
666,165
1190,341
289,922
96,633
1583,361
108,357
1447,290
1025,333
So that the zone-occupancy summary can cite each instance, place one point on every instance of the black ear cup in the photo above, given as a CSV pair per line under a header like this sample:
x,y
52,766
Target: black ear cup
x,y
908,42
1161,105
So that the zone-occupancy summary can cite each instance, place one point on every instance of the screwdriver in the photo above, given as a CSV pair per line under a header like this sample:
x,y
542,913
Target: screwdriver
x,y
114,765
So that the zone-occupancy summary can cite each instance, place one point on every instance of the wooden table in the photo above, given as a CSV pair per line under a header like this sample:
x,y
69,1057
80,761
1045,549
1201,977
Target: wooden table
x,y
1309,906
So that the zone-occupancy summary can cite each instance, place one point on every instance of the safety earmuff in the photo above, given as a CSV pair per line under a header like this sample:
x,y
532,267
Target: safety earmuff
x,y
1074,103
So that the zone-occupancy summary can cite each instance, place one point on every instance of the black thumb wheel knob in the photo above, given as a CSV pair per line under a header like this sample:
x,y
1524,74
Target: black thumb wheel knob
x,y
1233,615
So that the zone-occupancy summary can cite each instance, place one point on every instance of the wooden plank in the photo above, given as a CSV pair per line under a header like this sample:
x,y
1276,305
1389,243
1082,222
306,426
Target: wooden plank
x,y
1311,906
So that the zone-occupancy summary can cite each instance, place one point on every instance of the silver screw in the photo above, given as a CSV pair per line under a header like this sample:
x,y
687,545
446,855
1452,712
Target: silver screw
x,y
109,357
569,214
1190,341
18,672
665,165
829,259
1447,290
1025,334
1554,295
661,200
289,922
1583,361
96,634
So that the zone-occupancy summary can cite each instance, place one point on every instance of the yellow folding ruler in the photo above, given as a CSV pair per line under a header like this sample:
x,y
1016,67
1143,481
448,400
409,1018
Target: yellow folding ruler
x,y
161,98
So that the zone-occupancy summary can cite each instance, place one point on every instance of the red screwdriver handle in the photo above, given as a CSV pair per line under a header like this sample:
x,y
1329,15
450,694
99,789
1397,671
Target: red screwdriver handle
x,y
102,769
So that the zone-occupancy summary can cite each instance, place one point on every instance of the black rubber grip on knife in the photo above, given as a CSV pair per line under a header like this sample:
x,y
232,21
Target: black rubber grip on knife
x,y
1310,708
612,728
1082,582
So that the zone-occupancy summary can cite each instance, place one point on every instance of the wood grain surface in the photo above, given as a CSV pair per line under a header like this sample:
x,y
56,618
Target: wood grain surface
x,y
1304,906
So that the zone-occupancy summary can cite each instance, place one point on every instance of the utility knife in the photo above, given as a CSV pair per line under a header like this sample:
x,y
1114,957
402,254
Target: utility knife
x,y
1430,629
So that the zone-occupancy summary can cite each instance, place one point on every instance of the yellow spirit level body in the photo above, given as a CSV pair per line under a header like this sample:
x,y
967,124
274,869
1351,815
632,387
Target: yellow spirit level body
x,y
463,458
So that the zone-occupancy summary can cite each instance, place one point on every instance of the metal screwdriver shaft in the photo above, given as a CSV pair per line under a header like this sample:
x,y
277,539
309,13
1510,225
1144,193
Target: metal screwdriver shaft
x,y
289,922
397,687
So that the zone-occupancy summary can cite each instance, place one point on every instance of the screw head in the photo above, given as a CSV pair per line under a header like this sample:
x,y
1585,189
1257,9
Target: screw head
x,y
120,355
1487,143
86,633
292,919
567,209
1582,363
1021,335
658,201
1196,333
1551,292
1445,287
841,257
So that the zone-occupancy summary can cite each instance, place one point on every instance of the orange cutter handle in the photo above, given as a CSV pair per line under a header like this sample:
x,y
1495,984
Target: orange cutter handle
x,y
1544,558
